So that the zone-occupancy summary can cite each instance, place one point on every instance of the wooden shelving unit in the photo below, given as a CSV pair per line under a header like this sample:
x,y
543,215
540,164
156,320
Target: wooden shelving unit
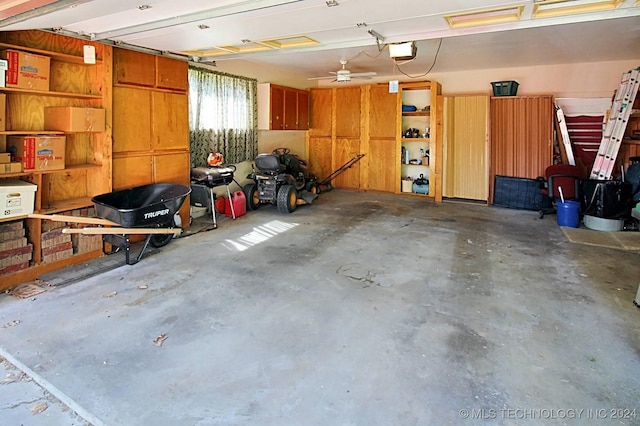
x,y
88,156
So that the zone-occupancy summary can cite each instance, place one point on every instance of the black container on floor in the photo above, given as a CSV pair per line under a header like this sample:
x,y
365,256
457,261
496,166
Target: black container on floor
x,y
608,199
519,193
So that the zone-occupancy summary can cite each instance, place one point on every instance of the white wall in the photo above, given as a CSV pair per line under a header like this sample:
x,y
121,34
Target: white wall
x,y
582,80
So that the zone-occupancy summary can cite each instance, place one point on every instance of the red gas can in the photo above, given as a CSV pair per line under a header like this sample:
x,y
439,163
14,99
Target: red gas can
x,y
239,204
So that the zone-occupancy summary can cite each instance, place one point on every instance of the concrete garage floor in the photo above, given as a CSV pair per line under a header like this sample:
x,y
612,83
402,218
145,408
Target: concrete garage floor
x,y
361,309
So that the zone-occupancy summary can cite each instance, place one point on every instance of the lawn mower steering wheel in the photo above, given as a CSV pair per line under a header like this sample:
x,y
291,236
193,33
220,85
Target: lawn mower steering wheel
x,y
281,151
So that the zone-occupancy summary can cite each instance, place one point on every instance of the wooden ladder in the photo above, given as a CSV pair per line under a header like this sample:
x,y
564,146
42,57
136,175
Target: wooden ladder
x,y
616,125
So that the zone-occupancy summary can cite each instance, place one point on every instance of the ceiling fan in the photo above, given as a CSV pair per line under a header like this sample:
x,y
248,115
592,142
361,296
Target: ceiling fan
x,y
343,75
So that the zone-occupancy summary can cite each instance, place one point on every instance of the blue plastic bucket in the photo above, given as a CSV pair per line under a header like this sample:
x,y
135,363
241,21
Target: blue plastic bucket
x,y
568,213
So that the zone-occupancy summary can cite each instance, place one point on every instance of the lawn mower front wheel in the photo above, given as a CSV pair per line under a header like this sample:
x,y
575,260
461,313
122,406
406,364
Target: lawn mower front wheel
x,y
251,194
287,199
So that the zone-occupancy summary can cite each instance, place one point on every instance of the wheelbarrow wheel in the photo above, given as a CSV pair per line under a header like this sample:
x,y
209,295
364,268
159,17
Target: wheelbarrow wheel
x,y
161,240
287,199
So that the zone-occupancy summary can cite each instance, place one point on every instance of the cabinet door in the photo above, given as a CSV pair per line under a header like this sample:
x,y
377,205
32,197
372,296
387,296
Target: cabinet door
x,y
170,121
133,67
344,150
132,171
290,110
131,119
320,157
383,112
466,163
172,74
277,108
381,161
303,110
321,112
348,107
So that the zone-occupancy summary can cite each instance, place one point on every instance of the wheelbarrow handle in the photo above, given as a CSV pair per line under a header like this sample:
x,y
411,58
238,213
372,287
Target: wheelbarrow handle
x,y
122,231
73,219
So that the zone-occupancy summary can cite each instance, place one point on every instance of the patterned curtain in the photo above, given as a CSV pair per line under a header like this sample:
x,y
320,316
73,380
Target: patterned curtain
x,y
223,116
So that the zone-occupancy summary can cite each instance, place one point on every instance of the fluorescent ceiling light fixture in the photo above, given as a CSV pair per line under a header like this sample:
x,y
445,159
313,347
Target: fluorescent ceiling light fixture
x,y
485,17
551,8
253,46
289,42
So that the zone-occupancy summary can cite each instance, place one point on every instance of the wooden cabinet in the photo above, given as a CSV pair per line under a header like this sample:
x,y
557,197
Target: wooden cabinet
x,y
141,69
282,108
368,120
150,123
521,136
380,145
88,155
419,138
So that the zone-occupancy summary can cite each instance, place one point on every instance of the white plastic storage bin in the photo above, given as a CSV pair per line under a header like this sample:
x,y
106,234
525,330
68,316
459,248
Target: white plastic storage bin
x,y
16,198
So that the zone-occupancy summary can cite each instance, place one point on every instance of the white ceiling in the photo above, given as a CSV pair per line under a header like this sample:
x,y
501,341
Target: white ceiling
x,y
172,27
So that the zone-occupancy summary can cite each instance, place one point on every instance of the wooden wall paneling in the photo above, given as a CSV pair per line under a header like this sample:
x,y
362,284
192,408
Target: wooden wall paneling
x,y
64,185
319,150
466,163
74,78
345,149
132,171
169,118
131,119
348,106
321,112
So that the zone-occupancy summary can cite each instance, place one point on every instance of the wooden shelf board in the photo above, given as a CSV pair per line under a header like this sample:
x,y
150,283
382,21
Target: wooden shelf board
x,y
12,175
65,205
26,275
64,57
424,140
31,132
49,93
416,114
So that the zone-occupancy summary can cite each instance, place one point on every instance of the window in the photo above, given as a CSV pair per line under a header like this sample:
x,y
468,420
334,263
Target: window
x,y
222,116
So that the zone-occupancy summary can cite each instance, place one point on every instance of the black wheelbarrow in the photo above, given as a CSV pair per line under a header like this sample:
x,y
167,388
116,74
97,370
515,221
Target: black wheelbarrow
x,y
142,210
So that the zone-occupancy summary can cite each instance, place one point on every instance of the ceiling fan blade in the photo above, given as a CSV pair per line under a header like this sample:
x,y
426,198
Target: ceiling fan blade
x,y
363,74
320,78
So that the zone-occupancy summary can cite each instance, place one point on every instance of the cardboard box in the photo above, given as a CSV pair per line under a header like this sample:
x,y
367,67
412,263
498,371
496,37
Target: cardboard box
x,y
16,197
38,153
26,70
5,157
74,119
14,167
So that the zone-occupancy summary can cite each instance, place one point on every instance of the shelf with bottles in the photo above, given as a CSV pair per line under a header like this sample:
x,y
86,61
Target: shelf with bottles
x,y
415,154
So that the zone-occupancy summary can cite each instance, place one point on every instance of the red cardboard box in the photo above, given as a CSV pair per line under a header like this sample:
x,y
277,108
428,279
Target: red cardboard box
x,y
26,70
38,152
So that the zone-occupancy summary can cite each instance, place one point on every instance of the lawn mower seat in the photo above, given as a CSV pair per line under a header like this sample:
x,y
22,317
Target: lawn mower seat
x,y
269,163
560,176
